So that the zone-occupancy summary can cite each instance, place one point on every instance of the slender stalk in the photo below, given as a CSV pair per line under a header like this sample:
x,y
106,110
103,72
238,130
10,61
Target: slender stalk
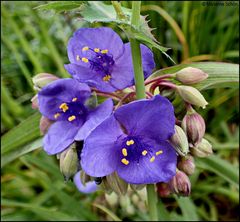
x,y
140,93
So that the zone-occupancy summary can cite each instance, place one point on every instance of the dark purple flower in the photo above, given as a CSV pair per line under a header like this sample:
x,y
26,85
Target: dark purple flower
x,y
99,58
89,187
64,102
133,142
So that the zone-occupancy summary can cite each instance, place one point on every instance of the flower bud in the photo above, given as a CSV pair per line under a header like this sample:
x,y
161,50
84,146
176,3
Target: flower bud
x,y
34,101
118,185
180,184
179,141
137,186
194,126
203,149
44,124
190,75
187,165
84,177
106,186
42,79
192,96
163,189
69,163
112,199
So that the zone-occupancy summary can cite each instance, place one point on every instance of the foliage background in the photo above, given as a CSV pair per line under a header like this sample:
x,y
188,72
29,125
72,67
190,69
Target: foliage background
x,y
35,41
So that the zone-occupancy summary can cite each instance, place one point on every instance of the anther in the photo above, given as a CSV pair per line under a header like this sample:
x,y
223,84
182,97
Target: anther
x,y
106,78
124,152
152,159
96,50
74,99
130,142
144,152
125,161
104,51
56,115
64,107
71,118
85,60
159,152
85,48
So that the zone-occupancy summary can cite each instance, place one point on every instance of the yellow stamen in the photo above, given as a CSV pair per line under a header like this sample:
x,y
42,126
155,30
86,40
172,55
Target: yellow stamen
x,y
125,161
85,60
104,51
56,115
124,152
106,78
64,107
85,48
96,50
130,142
71,118
78,57
152,159
144,152
74,99
159,152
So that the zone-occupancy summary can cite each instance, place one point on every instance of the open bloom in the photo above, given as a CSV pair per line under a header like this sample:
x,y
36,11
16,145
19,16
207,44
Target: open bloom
x,y
99,58
64,101
133,142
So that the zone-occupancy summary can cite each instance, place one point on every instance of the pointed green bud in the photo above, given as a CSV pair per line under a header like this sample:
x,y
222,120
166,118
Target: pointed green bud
x,y
112,199
84,177
190,75
44,124
106,186
186,164
69,163
42,79
192,96
194,126
203,149
179,141
118,185
137,186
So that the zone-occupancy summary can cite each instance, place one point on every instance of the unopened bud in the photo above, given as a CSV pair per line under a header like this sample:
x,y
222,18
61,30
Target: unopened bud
x,y
179,141
194,126
44,124
192,96
180,184
163,189
69,163
118,185
186,164
137,186
190,75
42,79
203,149
106,186
34,101
84,177
112,199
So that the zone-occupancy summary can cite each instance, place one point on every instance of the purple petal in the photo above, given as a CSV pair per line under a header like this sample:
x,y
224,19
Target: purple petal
x,y
103,38
59,136
99,155
89,187
58,92
162,169
95,117
151,118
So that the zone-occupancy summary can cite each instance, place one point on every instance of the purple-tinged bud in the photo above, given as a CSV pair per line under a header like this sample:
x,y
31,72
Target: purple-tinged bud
x,y
191,75
192,95
163,189
42,79
118,185
179,141
186,164
180,184
44,124
194,126
34,101
203,149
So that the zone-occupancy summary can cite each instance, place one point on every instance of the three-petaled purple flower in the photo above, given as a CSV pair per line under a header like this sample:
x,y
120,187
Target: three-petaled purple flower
x,y
64,101
99,58
133,142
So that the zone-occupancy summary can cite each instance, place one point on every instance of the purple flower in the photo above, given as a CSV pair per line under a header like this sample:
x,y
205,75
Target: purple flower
x,y
64,101
99,58
133,142
89,187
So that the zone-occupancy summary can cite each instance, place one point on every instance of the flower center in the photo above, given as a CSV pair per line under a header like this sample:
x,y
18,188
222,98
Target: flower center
x,y
100,60
73,111
134,148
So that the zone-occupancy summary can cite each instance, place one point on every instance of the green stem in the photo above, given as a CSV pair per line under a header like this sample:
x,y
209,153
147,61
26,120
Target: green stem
x,y
140,93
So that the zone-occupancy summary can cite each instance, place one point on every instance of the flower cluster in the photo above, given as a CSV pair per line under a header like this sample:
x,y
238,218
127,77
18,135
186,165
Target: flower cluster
x,y
118,142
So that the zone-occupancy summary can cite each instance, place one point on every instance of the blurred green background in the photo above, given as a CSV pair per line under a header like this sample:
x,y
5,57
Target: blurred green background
x,y
35,41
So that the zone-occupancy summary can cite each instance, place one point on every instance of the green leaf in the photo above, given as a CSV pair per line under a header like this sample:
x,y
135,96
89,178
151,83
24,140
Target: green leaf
x,y
60,6
221,167
14,154
25,132
220,74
